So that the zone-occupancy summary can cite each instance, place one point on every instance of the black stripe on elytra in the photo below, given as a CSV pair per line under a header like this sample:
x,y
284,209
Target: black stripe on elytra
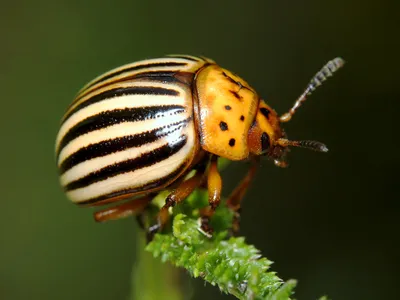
x,y
149,186
159,76
117,116
134,90
185,57
114,145
167,77
145,160
153,74
136,68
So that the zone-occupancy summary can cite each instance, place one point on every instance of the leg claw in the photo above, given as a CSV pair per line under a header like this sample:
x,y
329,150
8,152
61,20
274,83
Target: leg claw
x,y
152,231
205,227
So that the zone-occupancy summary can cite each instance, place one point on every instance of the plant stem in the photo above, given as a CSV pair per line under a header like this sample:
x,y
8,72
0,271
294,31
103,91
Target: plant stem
x,y
151,279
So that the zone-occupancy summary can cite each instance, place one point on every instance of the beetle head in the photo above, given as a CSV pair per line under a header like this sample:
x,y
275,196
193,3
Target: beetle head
x,y
267,138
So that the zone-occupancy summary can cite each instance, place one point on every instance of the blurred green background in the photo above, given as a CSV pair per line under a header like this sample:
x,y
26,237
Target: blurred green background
x,y
330,220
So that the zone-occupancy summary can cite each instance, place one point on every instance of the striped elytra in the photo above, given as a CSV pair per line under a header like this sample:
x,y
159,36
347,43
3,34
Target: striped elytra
x,y
142,127
128,131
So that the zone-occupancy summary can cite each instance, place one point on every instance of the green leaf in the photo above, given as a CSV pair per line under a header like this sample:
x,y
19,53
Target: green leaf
x,y
229,263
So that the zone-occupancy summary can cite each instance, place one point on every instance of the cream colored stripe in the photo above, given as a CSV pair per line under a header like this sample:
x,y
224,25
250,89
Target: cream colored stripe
x,y
132,73
97,163
144,62
122,85
115,131
121,102
135,178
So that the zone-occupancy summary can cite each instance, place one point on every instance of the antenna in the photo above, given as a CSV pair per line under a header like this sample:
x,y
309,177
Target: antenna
x,y
327,71
312,145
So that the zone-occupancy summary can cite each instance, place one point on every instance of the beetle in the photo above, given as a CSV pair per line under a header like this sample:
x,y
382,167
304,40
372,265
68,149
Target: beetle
x,y
142,127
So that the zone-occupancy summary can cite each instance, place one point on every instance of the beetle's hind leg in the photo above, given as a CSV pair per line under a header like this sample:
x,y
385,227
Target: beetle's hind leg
x,y
175,197
133,207
237,195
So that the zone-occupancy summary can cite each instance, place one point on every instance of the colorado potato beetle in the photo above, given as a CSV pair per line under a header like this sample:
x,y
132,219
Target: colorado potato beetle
x,y
143,127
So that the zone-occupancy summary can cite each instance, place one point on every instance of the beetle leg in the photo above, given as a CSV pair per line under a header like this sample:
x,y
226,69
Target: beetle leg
x,y
236,196
175,197
214,186
134,206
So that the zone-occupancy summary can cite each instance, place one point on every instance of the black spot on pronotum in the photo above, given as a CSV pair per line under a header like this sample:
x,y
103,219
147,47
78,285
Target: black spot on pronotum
x,y
236,94
232,142
241,118
265,112
228,107
232,80
223,126
265,143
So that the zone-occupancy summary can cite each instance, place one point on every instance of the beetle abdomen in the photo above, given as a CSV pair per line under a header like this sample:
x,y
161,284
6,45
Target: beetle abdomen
x,y
123,136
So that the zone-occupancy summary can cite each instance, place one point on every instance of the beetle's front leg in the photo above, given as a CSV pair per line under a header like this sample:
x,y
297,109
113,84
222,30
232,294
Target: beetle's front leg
x,y
238,193
214,186
175,197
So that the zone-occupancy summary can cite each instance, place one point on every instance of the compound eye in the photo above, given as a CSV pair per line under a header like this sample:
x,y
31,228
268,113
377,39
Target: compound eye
x,y
265,112
265,142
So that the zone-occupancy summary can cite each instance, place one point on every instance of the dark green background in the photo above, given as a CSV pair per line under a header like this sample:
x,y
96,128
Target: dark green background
x,y
330,220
